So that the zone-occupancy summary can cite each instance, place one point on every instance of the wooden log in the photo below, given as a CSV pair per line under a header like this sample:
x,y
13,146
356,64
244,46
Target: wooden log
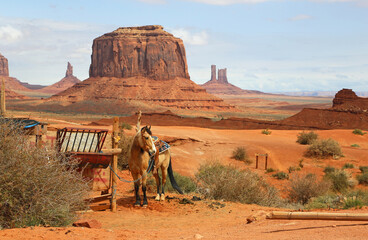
x,y
111,151
318,216
115,141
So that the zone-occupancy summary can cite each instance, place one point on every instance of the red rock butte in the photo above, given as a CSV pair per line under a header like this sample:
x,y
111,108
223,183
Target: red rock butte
x,y
146,65
146,51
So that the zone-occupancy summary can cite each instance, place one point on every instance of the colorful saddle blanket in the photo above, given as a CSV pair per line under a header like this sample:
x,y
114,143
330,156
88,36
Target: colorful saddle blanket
x,y
160,145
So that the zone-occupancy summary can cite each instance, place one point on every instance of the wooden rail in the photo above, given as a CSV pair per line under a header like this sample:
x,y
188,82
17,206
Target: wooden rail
x,y
318,216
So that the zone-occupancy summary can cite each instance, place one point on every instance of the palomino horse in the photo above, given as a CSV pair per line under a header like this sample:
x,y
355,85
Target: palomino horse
x,y
142,150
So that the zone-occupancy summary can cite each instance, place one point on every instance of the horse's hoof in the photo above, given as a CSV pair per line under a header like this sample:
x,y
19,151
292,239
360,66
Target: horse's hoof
x,y
162,197
157,197
144,206
137,204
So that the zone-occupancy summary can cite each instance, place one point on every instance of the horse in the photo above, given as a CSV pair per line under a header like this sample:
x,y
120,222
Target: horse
x,y
142,150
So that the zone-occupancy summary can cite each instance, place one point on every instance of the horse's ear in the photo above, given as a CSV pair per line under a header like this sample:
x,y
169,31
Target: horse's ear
x,y
149,127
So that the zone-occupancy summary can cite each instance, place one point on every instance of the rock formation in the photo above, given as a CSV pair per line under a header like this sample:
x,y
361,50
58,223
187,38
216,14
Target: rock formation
x,y
4,70
139,67
146,51
347,100
68,81
213,73
222,76
69,70
221,85
10,82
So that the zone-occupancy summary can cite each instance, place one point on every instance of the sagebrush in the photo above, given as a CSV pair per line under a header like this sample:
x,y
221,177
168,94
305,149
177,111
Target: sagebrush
x,y
302,187
306,138
324,148
228,183
38,186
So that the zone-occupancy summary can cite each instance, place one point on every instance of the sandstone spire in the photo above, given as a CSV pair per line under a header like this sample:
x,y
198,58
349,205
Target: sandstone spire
x,y
4,70
213,73
222,75
69,70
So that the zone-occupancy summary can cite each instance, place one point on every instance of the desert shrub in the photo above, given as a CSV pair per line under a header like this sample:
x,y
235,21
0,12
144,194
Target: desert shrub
x,y
219,182
38,186
324,148
348,166
306,138
363,178
301,164
329,169
352,202
355,145
266,131
293,169
240,154
304,187
363,169
185,183
125,143
268,170
358,132
324,202
281,175
339,180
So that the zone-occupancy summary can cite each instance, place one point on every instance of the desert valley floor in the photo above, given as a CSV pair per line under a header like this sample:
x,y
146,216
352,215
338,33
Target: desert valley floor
x,y
209,219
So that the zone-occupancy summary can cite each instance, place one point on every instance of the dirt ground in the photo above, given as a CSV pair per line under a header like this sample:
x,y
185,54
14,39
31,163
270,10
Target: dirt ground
x,y
216,219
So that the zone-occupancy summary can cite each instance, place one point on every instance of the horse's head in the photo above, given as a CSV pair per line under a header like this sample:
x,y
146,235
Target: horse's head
x,y
146,140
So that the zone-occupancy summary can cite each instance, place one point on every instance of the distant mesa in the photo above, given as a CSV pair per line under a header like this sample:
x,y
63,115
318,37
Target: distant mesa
x,y
68,81
221,86
347,100
143,67
308,118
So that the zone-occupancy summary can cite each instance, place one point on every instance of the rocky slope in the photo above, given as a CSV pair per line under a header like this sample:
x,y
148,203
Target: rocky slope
x,y
145,65
68,81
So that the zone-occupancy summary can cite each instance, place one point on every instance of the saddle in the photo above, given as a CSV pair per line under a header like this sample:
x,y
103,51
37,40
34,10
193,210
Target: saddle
x,y
161,146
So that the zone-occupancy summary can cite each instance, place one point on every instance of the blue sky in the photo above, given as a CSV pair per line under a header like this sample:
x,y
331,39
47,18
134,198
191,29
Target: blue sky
x,y
266,45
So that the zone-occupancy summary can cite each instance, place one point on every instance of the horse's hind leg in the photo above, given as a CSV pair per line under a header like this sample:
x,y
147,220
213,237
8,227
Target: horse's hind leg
x,y
164,174
158,184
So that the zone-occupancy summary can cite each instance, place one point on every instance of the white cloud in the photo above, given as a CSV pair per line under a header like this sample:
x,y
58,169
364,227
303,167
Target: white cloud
x,y
198,38
300,17
10,34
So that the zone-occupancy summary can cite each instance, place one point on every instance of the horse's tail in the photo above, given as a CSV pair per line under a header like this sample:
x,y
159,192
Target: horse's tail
x,y
172,179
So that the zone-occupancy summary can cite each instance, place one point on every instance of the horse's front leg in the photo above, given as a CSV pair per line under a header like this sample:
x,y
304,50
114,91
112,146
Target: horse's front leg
x,y
158,184
136,193
144,188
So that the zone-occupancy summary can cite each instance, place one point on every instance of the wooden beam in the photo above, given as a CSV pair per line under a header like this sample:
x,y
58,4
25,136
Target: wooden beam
x,y
115,141
2,99
318,216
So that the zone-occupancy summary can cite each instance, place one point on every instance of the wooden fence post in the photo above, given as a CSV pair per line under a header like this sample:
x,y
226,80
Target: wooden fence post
x,y
256,161
115,140
266,161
